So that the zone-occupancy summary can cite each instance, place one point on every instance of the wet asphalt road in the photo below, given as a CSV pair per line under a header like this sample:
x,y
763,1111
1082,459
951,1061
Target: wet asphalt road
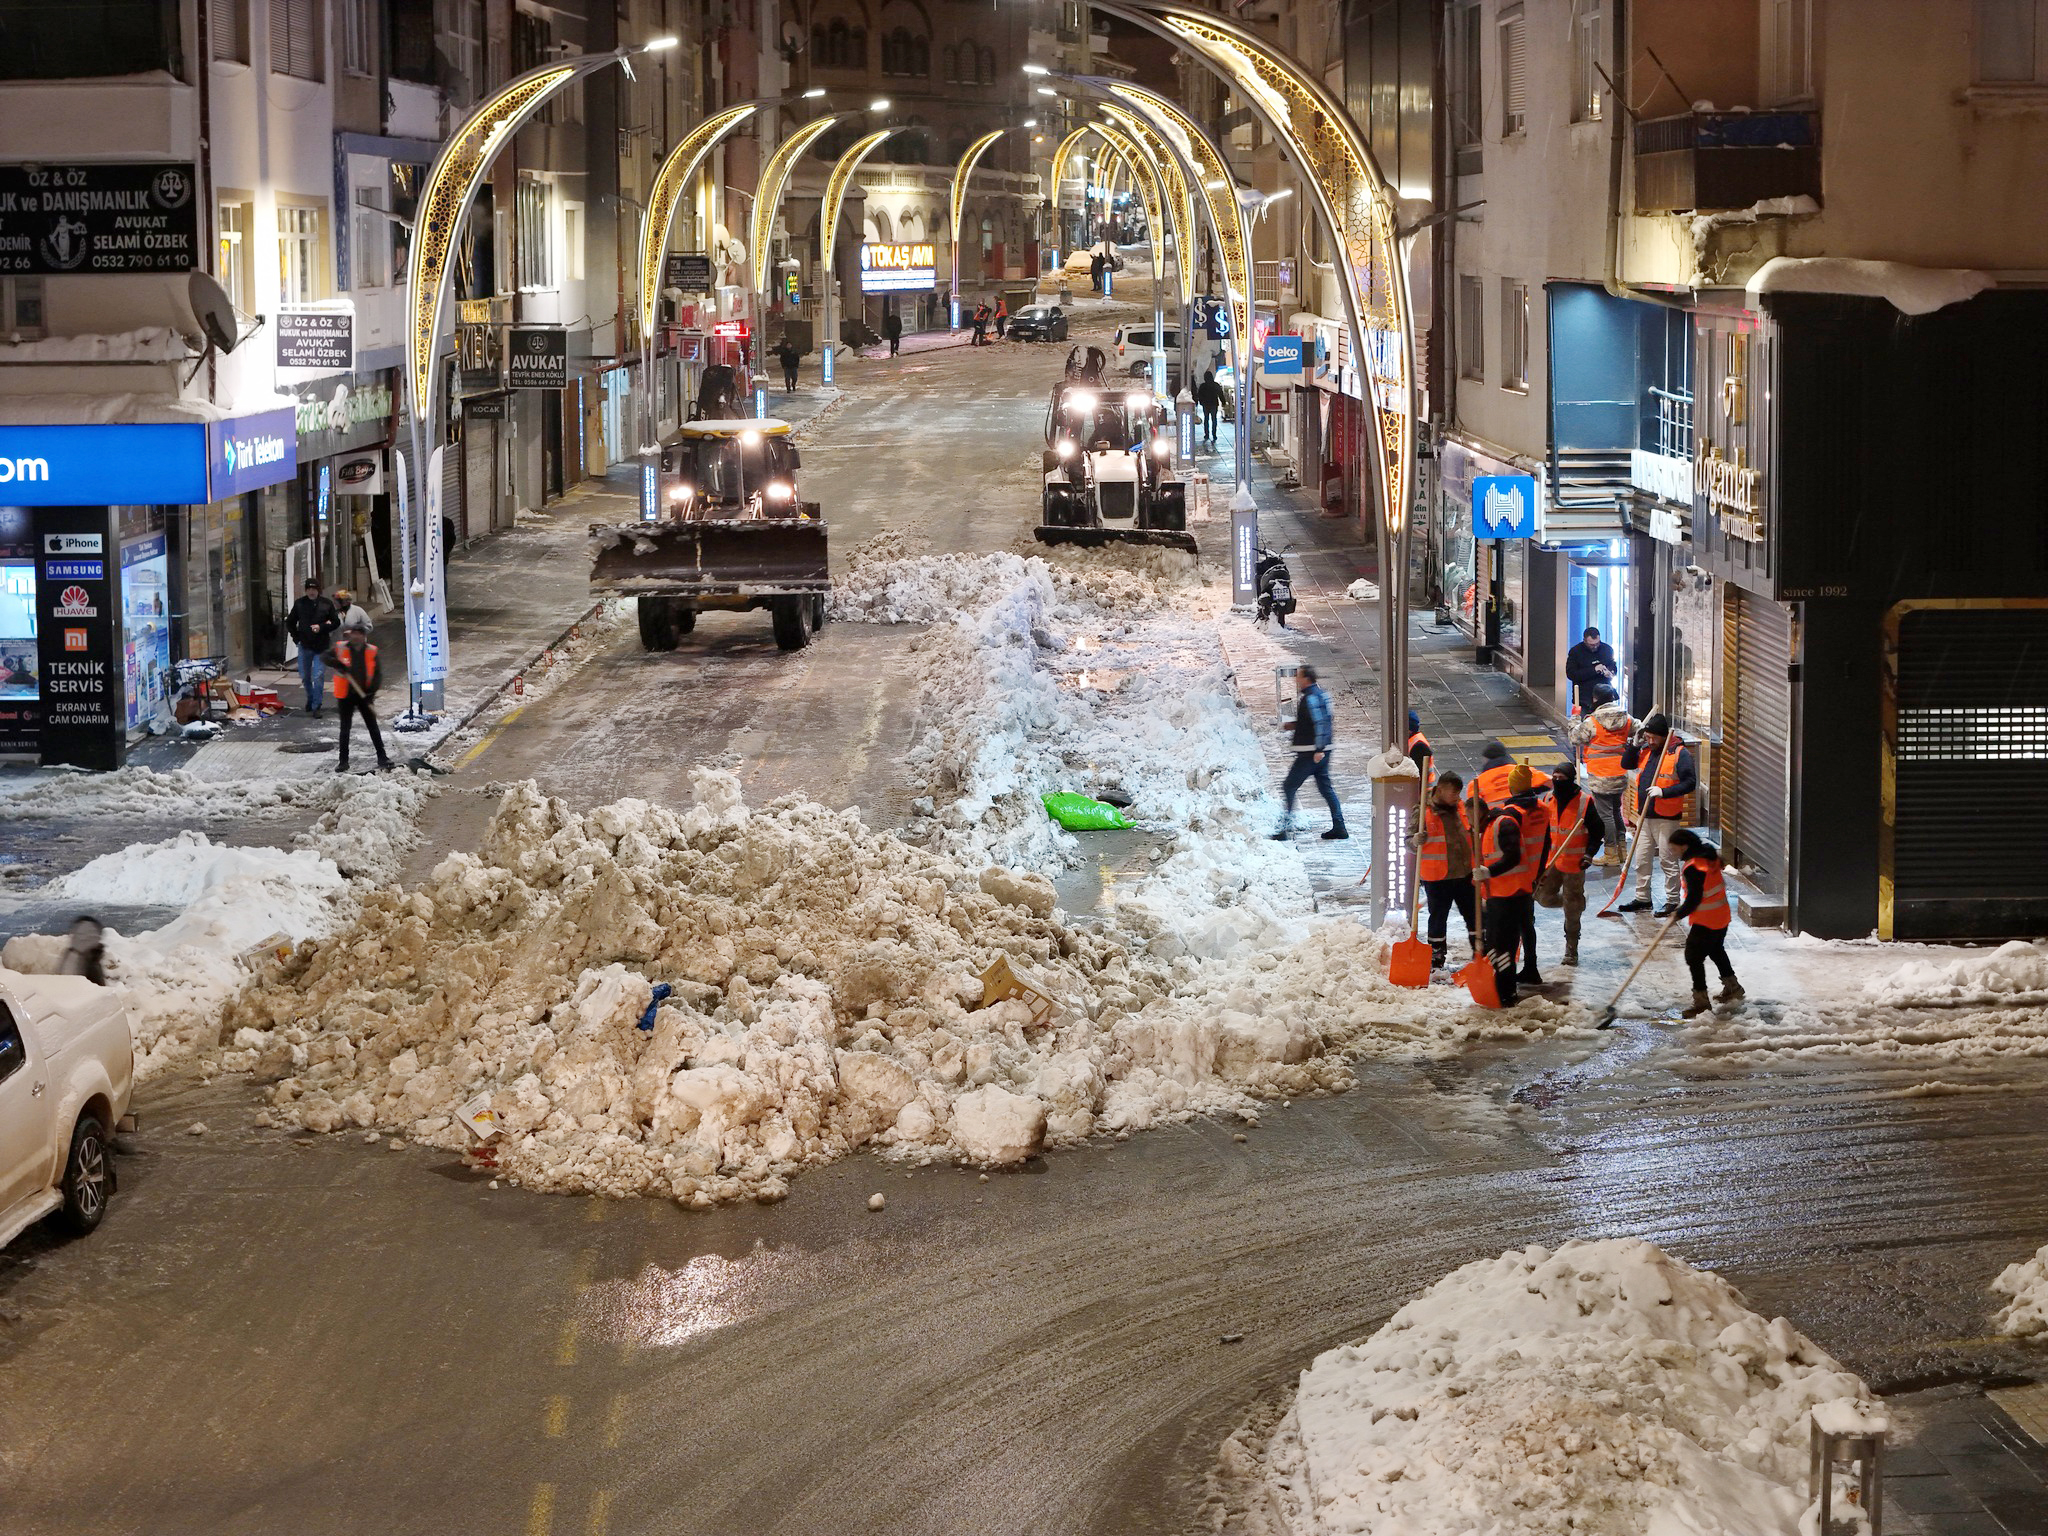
x,y
317,1335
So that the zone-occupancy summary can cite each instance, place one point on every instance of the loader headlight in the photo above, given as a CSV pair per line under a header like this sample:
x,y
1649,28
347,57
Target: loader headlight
x,y
679,493
750,438
1083,398
1137,401
777,491
1161,448
1064,447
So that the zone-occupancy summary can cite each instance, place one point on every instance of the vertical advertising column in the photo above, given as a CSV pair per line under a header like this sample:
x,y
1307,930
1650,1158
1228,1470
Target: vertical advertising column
x,y
78,621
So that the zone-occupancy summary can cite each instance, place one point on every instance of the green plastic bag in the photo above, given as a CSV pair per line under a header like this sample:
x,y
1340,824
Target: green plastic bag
x,y
1077,813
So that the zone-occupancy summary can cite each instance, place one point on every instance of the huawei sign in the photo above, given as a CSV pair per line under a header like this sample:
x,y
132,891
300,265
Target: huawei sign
x,y
76,603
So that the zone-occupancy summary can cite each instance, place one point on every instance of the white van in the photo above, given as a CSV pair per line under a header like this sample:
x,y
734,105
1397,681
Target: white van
x,y
1136,347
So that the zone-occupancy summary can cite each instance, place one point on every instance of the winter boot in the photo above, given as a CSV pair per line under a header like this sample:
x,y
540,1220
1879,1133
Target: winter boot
x,y
1528,976
1731,991
1439,952
1571,956
1336,835
1633,906
1700,1004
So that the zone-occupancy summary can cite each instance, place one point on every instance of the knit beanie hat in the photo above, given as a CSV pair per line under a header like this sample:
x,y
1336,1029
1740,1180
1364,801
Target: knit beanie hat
x,y
1519,779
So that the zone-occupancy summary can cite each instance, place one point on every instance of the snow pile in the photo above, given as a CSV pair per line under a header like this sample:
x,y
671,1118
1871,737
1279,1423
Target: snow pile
x,y
825,984
1605,1389
2026,1315
2012,973
1908,289
178,977
145,794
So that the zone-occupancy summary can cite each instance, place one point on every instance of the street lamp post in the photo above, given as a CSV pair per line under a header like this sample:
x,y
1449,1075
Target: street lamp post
x,y
445,198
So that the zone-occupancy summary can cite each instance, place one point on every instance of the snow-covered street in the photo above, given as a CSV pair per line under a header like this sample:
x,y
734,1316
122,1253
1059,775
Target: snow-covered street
x,y
1117,1229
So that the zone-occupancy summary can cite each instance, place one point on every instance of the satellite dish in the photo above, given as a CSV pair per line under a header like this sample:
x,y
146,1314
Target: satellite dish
x,y
215,311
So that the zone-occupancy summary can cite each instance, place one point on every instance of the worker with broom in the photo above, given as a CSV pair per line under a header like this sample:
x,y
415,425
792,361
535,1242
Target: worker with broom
x,y
1445,867
1512,852
1706,908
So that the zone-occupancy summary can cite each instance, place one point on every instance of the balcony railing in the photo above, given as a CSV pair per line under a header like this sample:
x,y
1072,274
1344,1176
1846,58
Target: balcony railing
x,y
1720,161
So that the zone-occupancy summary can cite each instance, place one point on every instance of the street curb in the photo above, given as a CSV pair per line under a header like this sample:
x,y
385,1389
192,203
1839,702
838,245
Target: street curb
x,y
497,690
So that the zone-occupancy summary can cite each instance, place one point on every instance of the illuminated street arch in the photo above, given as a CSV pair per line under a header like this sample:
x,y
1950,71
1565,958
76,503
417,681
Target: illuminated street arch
x,y
669,183
1179,200
768,196
958,204
1145,176
835,191
1060,156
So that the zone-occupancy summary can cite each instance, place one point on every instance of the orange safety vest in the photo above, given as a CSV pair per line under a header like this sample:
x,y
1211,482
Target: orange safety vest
x,y
1664,805
1603,752
1436,843
1417,739
1712,912
1570,855
1492,785
1530,820
339,664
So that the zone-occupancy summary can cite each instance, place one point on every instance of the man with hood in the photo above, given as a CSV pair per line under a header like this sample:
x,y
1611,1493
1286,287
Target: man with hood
x,y
1575,837
1601,737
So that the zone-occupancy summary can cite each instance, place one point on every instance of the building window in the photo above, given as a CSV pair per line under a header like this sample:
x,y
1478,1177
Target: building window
x,y
1467,87
1589,49
1787,39
1514,335
359,36
68,40
232,226
1514,73
371,250
231,31
298,254
21,308
905,53
1471,328
572,240
295,38
2007,42
536,234
459,34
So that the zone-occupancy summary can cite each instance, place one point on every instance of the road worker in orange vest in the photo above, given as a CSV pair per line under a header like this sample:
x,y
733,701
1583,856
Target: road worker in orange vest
x,y
1706,908
1420,752
1600,738
1575,835
1490,783
1665,776
1446,864
1511,853
353,664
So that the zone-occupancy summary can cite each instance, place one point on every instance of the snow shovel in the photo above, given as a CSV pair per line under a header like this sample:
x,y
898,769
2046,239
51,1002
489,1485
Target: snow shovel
x,y
1410,963
1605,1018
1628,861
1477,974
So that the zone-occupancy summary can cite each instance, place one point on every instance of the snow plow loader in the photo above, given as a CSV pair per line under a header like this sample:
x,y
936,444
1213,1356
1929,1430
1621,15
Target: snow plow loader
x,y
730,532
1108,470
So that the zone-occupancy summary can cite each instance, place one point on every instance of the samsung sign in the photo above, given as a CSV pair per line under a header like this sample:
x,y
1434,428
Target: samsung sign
x,y
145,464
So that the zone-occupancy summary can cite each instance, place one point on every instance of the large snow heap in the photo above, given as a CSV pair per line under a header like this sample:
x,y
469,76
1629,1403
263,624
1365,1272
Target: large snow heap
x,y
823,977
1603,1389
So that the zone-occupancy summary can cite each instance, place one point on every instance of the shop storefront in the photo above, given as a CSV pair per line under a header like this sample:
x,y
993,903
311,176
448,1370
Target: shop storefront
x,y
1486,582
94,545
344,432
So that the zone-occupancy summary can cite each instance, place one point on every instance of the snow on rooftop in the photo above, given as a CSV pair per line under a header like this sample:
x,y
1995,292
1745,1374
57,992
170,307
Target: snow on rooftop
x,y
1908,289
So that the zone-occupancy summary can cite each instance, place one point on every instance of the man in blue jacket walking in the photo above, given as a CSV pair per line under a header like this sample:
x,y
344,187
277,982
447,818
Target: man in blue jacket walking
x,y
1313,732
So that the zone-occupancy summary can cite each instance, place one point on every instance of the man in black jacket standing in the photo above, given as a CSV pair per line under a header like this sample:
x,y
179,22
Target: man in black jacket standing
x,y
1589,666
311,624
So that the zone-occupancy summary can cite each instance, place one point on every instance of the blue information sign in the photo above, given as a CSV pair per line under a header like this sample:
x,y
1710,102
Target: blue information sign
x,y
158,463
1283,353
246,453
1504,506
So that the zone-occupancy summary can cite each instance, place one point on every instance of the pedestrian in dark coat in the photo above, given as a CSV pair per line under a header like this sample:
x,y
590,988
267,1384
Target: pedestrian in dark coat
x,y
311,624
1095,268
892,331
1314,733
1588,666
85,952
789,357
1209,396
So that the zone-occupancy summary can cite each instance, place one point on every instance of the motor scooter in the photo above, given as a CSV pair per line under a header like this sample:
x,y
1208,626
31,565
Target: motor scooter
x,y
1275,586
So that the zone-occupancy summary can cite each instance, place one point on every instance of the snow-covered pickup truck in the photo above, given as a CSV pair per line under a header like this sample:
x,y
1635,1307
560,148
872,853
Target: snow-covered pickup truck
x,y
67,1068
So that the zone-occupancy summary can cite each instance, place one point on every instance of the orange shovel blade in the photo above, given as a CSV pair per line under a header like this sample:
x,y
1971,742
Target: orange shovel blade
x,y
1409,964
1478,978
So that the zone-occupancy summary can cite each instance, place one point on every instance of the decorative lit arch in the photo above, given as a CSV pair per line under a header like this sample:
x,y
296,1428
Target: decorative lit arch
x,y
768,196
675,174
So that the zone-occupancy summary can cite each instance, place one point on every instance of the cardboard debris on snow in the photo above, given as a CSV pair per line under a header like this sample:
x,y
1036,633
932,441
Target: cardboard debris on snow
x,y
1603,1389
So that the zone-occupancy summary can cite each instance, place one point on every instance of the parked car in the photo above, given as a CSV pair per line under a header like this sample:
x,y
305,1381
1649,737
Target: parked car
x,y
1039,322
67,1069
1136,347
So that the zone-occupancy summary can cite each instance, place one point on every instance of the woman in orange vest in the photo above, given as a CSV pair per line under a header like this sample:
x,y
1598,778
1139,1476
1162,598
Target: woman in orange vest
x,y
1706,906
1446,865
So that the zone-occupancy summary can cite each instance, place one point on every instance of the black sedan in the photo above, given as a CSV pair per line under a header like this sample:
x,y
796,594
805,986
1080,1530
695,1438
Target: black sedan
x,y
1039,322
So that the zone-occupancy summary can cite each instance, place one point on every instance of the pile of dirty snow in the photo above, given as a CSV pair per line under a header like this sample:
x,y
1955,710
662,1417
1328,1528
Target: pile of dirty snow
x,y
1604,1389
147,795
2026,1315
178,977
2012,973
825,996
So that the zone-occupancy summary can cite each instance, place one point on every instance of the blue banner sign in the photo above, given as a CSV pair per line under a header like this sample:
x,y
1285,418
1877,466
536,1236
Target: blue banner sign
x,y
246,453
1283,354
1504,506
157,463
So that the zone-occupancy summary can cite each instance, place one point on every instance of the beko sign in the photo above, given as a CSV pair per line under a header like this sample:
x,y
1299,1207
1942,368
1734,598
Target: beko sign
x,y
144,463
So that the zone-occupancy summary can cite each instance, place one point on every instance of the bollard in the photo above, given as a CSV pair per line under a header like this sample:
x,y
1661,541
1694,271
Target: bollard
x,y
1845,1434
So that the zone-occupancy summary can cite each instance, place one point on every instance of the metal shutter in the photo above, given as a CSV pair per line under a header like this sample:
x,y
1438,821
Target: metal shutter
x,y
1969,846
1754,824
454,505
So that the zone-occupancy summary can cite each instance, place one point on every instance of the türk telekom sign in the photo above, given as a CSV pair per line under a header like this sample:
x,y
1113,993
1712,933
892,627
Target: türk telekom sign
x,y
158,463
